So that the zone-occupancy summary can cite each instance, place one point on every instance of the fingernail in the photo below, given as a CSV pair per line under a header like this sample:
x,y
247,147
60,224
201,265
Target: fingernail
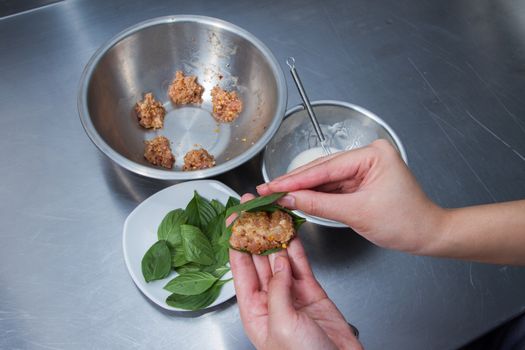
x,y
288,201
261,186
271,258
278,264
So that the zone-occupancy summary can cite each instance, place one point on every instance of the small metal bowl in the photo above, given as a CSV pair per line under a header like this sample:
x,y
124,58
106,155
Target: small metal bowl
x,y
145,57
345,126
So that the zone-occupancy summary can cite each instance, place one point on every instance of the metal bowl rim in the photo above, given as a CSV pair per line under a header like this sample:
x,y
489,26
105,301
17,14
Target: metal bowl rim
x,y
147,171
371,115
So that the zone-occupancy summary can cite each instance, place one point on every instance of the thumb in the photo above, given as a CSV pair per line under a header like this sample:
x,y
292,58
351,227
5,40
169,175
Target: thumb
x,y
325,205
280,299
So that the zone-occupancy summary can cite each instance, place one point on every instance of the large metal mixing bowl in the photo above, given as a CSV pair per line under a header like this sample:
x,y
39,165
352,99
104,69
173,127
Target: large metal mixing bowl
x,y
145,57
345,126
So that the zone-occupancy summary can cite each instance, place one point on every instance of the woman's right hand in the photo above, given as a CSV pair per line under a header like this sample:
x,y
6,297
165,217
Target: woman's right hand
x,y
371,190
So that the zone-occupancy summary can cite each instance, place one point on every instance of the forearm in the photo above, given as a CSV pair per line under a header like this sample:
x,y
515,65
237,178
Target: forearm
x,y
493,233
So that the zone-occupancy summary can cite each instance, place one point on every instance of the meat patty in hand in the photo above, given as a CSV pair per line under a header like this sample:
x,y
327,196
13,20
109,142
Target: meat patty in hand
x,y
257,232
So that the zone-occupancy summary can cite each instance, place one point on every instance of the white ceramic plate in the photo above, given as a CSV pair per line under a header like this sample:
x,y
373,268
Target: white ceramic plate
x,y
140,232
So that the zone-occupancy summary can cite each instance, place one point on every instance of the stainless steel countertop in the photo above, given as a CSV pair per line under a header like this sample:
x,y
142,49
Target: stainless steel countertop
x,y
447,75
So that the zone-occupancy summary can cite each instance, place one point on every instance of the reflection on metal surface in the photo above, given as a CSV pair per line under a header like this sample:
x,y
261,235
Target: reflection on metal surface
x,y
64,203
290,61
14,7
144,58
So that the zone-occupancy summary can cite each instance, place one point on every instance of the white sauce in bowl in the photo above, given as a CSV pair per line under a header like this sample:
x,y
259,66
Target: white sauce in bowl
x,y
308,156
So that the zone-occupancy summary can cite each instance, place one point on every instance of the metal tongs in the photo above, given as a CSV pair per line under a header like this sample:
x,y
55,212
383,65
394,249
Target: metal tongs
x,y
290,61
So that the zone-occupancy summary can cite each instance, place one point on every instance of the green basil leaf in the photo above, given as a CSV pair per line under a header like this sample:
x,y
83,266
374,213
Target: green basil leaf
x,y
255,203
178,257
169,228
191,283
232,201
225,236
297,222
196,302
266,252
271,251
199,211
220,271
211,268
189,267
219,237
270,208
221,253
215,228
240,250
218,206
197,247
156,263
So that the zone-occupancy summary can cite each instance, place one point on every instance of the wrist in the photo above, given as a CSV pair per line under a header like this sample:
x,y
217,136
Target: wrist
x,y
434,240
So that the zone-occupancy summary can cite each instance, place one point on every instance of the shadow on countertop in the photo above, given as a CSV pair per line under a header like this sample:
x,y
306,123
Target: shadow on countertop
x,y
337,247
137,188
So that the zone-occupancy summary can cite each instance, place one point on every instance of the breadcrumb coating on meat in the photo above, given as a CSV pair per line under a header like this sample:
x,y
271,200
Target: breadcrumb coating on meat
x,y
150,112
198,159
158,152
185,89
257,232
226,105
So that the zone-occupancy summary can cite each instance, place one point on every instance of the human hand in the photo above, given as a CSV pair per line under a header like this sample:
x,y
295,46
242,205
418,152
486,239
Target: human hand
x,y
371,190
282,305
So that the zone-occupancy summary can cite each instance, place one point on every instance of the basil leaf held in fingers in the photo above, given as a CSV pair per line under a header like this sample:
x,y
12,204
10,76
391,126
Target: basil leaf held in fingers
x,y
156,263
199,211
297,221
255,203
271,251
196,302
169,228
197,247
191,283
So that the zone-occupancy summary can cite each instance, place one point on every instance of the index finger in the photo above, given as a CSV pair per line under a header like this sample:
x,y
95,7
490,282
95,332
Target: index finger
x,y
348,165
245,278
264,190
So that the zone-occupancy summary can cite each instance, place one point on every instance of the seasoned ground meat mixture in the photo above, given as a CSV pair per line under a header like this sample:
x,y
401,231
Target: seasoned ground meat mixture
x,y
150,112
158,152
226,104
198,159
260,231
185,90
